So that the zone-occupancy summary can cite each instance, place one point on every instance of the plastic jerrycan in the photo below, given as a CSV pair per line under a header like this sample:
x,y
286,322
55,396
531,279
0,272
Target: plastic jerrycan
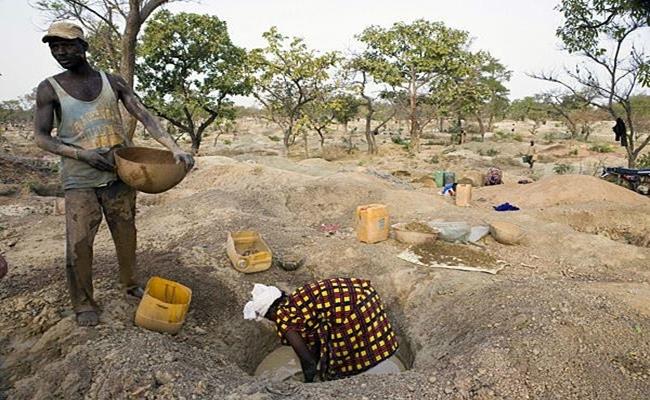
x,y
439,178
463,195
372,223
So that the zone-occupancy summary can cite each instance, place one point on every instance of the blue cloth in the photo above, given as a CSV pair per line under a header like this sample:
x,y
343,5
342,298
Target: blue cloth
x,y
448,188
506,207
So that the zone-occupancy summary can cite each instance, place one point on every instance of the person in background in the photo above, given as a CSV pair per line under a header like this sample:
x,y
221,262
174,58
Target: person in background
x,y
531,154
337,327
84,104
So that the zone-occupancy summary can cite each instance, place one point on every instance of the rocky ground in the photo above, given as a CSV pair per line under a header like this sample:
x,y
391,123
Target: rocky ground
x,y
568,317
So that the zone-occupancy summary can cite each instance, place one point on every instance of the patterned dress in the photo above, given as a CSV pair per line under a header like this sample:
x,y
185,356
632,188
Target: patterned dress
x,y
343,318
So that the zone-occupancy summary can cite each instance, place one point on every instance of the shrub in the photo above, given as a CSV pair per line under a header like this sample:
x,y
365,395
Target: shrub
x,y
275,138
488,152
434,159
227,142
562,169
517,137
643,161
601,148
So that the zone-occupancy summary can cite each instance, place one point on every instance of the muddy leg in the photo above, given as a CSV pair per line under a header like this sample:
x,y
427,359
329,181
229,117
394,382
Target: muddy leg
x,y
82,218
118,203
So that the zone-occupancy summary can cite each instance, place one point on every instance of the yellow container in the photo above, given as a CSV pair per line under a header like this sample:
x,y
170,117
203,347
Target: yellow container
x,y
463,195
372,223
248,252
163,306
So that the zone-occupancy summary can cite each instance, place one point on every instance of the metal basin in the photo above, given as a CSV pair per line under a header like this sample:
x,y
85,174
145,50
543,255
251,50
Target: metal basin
x,y
148,170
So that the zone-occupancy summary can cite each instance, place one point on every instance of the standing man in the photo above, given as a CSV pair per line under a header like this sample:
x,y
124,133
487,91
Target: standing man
x,y
84,102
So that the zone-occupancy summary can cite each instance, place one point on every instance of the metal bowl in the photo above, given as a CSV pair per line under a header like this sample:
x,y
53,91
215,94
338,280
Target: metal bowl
x,y
148,170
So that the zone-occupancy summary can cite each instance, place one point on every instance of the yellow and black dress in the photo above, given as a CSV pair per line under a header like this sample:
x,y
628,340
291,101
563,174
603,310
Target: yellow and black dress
x,y
345,319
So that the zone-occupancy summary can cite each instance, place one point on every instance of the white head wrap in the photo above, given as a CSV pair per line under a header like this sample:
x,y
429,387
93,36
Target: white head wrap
x,y
263,297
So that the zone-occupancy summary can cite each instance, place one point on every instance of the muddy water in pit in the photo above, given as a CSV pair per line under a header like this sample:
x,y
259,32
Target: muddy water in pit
x,y
282,364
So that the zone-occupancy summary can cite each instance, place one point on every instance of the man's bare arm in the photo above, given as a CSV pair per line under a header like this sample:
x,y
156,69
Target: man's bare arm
x,y
140,112
44,123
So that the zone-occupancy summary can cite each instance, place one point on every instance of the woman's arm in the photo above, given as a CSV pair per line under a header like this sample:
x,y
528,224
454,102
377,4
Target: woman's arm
x,y
308,362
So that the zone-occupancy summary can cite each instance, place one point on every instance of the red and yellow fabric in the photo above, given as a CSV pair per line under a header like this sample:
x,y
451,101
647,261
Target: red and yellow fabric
x,y
345,319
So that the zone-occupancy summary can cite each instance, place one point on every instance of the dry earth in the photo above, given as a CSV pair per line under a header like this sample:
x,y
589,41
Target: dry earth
x,y
567,318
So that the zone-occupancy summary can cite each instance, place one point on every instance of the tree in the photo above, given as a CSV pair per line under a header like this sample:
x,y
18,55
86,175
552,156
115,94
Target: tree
x,y
495,101
287,77
108,22
530,108
188,71
417,60
358,71
604,33
576,113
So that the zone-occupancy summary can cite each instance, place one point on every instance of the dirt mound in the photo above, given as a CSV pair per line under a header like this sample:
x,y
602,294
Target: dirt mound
x,y
561,190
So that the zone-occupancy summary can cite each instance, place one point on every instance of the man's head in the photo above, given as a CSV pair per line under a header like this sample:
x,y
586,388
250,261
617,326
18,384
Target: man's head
x,y
67,44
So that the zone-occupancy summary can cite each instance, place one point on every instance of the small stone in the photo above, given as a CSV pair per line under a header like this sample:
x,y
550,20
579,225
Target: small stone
x,y
410,388
169,357
432,379
536,352
200,330
163,377
448,391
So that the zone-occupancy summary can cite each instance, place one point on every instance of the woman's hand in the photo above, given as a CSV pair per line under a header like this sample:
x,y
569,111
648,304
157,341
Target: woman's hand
x,y
308,362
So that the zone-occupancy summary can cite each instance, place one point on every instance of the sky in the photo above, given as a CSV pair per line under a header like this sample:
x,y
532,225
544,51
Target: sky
x,y
520,33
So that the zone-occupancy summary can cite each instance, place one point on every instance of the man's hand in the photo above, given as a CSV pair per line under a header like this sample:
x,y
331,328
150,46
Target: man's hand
x,y
95,160
185,158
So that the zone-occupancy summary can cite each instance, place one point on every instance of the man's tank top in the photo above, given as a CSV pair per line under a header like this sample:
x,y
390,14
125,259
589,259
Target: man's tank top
x,y
88,125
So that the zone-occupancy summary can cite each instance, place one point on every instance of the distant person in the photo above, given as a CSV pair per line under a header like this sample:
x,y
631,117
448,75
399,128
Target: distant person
x,y
531,154
337,327
620,132
89,129
494,176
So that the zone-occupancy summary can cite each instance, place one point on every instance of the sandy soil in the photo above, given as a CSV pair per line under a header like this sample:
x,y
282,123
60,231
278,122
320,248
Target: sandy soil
x,y
567,318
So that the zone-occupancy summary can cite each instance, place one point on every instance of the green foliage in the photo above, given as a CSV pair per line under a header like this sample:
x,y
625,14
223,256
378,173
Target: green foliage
x,y
399,140
586,21
643,161
573,152
562,169
13,111
421,63
275,138
601,148
287,77
188,71
435,159
529,107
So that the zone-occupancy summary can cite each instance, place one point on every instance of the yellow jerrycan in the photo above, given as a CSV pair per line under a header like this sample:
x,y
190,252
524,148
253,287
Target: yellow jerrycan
x,y
372,223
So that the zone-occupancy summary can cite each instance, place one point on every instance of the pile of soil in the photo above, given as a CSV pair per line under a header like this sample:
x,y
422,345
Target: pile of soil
x,y
561,190
419,227
453,254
